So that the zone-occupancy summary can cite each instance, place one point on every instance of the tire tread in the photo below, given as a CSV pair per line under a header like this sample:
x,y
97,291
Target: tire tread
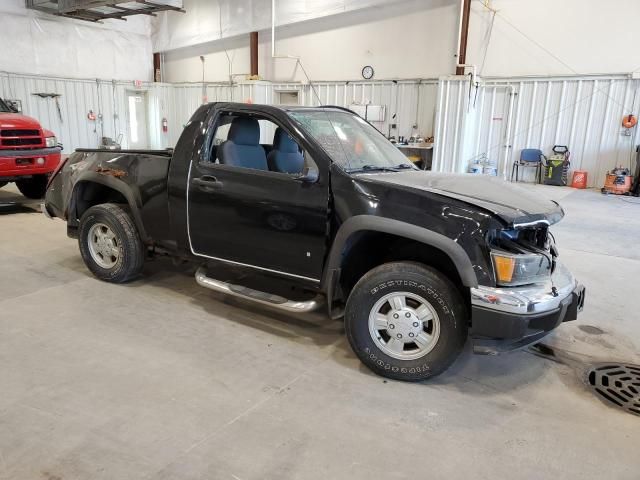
x,y
133,249
446,289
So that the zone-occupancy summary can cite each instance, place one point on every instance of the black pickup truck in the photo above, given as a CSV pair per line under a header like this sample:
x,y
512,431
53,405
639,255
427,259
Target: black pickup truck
x,y
317,198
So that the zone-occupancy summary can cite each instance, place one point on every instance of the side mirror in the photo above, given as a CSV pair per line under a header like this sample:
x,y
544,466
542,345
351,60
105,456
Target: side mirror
x,y
308,175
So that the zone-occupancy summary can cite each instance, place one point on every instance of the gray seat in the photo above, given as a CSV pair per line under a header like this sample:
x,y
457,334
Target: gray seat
x,y
285,156
242,147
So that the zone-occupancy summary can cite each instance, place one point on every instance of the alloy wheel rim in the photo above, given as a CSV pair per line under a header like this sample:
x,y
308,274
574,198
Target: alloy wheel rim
x,y
404,325
104,246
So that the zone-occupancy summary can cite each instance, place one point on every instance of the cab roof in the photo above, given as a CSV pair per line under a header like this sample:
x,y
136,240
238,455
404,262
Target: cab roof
x,y
285,108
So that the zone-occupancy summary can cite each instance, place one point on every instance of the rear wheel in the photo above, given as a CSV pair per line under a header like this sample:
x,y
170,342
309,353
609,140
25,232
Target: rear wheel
x,y
34,187
406,321
110,244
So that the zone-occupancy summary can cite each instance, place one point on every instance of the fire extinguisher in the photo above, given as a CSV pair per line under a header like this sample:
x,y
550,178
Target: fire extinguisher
x,y
165,125
629,121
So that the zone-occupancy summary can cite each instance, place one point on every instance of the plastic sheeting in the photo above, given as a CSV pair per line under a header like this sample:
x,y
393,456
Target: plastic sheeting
x,y
37,43
207,20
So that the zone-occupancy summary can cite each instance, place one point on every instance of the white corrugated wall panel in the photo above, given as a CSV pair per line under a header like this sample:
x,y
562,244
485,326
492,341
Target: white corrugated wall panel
x,y
582,113
177,102
411,101
455,119
78,97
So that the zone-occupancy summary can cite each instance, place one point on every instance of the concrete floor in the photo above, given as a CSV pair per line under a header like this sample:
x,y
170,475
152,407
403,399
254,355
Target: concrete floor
x,y
161,379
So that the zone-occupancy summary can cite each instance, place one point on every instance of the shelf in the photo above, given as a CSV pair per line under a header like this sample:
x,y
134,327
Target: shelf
x,y
415,146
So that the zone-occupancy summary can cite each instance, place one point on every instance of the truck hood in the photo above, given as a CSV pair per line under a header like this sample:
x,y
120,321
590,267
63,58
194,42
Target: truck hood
x,y
517,206
18,121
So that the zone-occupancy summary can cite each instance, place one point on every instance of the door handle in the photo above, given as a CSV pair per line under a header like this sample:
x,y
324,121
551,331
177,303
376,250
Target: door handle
x,y
207,183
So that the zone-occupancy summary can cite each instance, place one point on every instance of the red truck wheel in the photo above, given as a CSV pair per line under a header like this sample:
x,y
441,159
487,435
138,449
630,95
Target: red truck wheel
x,y
34,187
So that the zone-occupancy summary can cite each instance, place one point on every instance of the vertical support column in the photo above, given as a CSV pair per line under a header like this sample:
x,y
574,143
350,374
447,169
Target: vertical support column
x,y
464,35
253,48
157,76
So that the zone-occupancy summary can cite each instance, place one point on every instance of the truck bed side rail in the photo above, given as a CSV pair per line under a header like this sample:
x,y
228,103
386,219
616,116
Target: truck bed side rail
x,y
167,152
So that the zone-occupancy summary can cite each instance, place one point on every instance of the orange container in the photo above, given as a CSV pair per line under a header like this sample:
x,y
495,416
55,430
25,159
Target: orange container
x,y
617,184
579,179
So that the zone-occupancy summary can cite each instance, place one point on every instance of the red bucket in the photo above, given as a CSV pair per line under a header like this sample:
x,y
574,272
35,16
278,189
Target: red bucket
x,y
579,179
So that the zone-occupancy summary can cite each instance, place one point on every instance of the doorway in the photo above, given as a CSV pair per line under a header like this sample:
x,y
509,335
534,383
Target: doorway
x,y
137,120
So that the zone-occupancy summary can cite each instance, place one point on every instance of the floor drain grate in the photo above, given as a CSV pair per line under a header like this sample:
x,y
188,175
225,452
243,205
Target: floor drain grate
x,y
617,384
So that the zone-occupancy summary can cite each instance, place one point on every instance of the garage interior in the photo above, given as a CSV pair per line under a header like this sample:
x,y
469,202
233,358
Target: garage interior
x,y
160,378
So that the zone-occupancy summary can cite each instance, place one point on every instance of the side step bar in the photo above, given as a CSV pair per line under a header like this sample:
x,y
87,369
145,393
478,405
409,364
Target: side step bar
x,y
264,298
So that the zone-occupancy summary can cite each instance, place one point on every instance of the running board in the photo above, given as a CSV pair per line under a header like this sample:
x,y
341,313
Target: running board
x,y
257,296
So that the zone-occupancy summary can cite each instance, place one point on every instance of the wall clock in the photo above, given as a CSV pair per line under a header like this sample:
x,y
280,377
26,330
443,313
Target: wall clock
x,y
367,72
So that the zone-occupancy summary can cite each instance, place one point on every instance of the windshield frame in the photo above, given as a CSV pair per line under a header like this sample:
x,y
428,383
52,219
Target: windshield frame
x,y
345,164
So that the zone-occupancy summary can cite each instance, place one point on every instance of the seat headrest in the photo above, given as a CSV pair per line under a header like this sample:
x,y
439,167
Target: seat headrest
x,y
283,142
244,131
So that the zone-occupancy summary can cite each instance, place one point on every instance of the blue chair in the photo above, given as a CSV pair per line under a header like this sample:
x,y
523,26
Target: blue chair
x,y
530,157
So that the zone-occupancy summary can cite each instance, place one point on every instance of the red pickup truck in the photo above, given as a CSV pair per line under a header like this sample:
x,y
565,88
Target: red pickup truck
x,y
28,152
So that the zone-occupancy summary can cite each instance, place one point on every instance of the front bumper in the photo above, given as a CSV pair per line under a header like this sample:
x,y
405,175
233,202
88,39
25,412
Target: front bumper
x,y
506,319
15,164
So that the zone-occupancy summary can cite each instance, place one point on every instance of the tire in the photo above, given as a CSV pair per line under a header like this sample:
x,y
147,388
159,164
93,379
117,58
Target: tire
x,y
110,244
34,187
433,313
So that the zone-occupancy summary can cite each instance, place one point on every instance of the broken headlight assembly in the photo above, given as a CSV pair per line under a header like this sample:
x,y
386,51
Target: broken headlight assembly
x,y
522,257
514,269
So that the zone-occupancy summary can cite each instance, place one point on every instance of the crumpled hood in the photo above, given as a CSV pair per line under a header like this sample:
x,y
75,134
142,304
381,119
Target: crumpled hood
x,y
18,121
515,205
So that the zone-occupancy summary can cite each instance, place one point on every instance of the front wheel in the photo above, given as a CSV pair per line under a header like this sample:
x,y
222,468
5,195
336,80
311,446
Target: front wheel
x,y
406,321
110,244
34,187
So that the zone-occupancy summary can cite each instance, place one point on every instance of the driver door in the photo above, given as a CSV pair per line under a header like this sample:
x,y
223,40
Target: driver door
x,y
257,217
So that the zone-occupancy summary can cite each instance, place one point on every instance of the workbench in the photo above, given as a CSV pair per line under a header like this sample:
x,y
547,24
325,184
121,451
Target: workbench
x,y
423,152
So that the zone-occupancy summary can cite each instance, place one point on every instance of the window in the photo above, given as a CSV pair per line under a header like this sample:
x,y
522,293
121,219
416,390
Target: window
x,y
288,98
254,142
4,107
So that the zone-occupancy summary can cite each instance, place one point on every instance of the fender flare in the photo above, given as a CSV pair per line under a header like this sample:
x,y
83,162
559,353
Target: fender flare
x,y
359,223
114,184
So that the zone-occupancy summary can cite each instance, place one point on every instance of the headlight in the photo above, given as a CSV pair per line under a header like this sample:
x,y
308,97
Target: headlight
x,y
51,142
513,269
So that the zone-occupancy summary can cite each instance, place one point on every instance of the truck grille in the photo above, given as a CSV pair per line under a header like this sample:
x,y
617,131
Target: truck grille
x,y
20,139
19,133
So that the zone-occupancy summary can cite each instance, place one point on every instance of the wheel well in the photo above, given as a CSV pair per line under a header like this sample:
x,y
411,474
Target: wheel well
x,y
88,194
368,249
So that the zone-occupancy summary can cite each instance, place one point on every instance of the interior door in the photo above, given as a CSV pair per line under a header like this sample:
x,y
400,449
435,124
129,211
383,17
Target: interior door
x,y
262,219
137,116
